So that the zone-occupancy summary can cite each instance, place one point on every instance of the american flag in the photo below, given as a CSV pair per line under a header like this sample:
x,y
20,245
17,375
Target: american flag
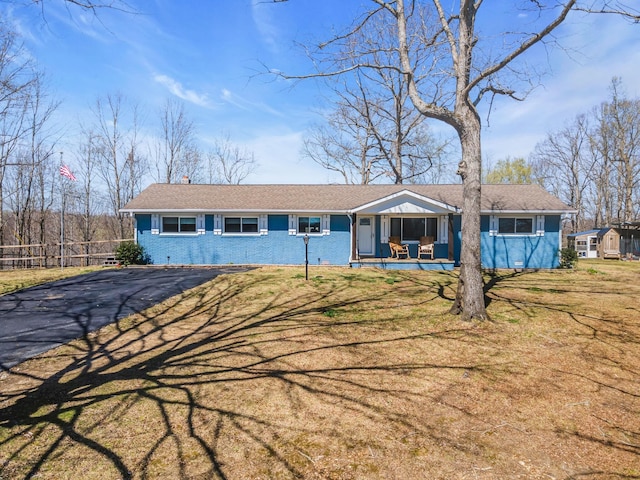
x,y
65,172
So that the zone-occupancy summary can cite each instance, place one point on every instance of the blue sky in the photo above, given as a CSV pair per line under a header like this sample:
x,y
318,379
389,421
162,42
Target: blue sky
x,y
209,53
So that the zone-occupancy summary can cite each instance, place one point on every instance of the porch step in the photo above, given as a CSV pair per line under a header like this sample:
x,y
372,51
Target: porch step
x,y
403,264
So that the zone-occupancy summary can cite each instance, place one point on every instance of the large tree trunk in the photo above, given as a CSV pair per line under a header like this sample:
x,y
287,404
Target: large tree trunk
x,y
470,298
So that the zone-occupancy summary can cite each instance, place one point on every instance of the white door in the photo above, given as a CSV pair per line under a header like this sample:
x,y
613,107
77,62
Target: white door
x,y
365,236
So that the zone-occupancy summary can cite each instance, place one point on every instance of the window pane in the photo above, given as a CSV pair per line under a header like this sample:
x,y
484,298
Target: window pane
x,y
432,228
188,224
303,224
396,227
232,224
250,225
308,224
314,224
169,224
524,225
506,225
413,228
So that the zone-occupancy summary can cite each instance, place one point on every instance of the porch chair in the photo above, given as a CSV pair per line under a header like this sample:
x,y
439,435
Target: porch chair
x,y
425,247
398,248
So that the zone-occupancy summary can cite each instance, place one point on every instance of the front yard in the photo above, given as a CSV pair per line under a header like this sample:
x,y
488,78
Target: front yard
x,y
354,374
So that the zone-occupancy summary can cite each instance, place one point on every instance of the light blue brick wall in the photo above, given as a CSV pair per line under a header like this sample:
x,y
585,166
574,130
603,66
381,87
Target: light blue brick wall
x,y
275,248
280,248
527,251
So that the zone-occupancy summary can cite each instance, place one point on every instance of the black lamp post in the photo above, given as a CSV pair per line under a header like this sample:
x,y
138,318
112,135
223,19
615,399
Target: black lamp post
x,y
306,256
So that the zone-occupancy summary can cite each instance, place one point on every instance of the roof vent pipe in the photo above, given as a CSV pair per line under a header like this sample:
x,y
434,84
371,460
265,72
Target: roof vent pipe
x,y
185,180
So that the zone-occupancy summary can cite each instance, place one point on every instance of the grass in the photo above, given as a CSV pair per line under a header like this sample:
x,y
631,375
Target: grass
x,y
11,280
352,374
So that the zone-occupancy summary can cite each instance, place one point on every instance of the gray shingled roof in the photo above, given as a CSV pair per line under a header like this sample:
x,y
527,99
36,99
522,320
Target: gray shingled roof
x,y
328,198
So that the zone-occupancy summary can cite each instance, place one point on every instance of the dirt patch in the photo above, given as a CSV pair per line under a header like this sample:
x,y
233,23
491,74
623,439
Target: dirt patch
x,y
353,374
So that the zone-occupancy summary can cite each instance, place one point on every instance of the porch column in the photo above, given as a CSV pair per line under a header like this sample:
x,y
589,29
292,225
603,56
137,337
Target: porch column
x,y
354,233
451,239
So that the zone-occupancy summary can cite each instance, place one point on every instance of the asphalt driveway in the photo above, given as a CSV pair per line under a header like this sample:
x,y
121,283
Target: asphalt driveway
x,y
37,319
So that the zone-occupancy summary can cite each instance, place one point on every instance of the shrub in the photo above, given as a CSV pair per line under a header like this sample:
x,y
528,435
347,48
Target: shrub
x,y
130,253
568,258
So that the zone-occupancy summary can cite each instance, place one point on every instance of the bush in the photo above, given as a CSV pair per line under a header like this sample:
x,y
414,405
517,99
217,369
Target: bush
x,y
130,253
568,258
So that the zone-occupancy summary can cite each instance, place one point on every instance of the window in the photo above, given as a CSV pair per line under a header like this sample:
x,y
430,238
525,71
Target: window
x,y
309,225
241,224
512,225
179,224
412,228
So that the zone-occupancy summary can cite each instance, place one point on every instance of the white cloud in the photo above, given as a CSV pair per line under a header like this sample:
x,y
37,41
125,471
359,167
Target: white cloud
x,y
242,103
185,94
265,24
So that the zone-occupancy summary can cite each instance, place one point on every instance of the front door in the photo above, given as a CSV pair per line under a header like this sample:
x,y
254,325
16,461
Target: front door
x,y
365,236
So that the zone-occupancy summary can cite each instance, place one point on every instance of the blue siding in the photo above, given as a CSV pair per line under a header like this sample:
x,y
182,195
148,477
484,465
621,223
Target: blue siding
x,y
277,247
280,248
521,251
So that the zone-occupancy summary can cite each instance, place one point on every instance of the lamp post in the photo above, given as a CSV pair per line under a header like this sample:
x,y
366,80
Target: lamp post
x,y
306,256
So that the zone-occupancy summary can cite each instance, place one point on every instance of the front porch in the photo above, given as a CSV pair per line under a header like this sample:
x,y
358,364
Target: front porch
x,y
390,263
408,219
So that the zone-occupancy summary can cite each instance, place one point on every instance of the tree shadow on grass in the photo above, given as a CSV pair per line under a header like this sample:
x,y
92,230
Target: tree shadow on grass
x,y
182,377
245,377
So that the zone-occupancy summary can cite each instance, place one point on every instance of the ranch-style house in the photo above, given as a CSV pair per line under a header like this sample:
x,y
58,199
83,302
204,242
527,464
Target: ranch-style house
x,y
389,226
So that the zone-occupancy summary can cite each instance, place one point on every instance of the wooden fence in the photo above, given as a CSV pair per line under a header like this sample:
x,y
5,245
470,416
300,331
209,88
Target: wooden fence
x,y
76,254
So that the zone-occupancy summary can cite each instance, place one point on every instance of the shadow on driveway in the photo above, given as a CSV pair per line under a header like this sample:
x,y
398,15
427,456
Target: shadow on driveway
x,y
37,319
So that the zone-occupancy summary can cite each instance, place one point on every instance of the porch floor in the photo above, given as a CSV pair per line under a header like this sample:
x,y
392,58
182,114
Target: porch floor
x,y
389,263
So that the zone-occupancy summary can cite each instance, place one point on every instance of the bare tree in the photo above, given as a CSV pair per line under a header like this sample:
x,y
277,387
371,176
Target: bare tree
x,y
345,144
36,147
175,149
229,163
462,66
564,165
374,133
90,202
593,164
616,142
17,78
120,165
377,133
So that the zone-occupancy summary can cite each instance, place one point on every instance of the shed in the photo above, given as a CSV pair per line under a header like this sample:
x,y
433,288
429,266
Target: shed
x,y
609,243
584,243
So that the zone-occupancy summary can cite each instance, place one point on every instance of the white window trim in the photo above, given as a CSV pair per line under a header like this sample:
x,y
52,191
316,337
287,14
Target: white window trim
x,y
385,229
537,225
200,224
325,225
155,224
178,234
243,234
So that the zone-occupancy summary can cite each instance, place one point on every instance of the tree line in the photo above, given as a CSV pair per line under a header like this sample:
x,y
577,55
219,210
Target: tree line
x,y
113,155
592,163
